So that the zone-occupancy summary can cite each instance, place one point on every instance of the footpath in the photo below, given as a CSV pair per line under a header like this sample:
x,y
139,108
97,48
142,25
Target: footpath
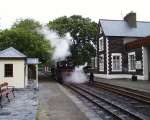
x,y
54,103
22,107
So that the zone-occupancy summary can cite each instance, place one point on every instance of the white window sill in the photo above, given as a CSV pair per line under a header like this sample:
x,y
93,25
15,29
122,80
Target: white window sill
x,y
116,70
8,77
101,50
131,70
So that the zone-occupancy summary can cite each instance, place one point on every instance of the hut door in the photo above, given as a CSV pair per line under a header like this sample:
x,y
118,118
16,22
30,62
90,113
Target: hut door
x,y
31,72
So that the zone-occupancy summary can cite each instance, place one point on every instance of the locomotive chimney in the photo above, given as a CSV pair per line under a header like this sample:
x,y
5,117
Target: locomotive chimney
x,y
130,18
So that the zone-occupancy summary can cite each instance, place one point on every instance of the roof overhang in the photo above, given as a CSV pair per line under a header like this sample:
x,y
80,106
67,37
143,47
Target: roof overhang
x,y
32,61
138,43
12,58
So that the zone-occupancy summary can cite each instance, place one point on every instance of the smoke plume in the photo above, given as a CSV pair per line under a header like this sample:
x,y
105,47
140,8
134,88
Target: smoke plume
x,y
61,45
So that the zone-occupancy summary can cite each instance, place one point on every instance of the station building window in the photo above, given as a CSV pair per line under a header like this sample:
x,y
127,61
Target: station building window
x,y
116,59
100,31
101,44
101,62
95,62
131,62
92,62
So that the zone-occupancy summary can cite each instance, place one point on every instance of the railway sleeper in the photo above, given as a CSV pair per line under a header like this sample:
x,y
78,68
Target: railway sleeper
x,y
137,115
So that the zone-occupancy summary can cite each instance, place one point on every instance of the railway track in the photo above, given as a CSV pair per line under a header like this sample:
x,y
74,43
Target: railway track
x,y
116,111
134,94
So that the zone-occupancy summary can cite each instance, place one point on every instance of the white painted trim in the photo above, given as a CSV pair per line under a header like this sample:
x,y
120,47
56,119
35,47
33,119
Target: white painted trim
x,y
143,59
92,62
101,55
37,80
145,63
100,31
107,55
101,46
118,76
95,62
116,54
129,64
26,75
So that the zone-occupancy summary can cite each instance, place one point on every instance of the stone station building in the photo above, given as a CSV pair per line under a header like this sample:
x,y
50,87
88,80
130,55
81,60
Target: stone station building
x,y
123,48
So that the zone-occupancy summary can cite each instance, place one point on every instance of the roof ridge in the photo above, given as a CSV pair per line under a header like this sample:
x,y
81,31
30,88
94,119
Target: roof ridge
x,y
110,20
12,49
122,20
121,28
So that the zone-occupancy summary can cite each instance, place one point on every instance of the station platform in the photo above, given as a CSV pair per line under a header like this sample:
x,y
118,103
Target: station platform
x,y
57,103
141,85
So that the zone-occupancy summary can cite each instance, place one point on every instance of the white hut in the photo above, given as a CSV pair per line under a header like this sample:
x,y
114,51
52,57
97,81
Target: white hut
x,y
14,68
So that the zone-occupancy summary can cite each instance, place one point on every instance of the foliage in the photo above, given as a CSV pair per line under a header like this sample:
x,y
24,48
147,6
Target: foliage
x,y
24,37
27,24
83,32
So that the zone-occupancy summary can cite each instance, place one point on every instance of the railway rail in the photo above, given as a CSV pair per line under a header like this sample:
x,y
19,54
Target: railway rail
x,y
115,110
134,94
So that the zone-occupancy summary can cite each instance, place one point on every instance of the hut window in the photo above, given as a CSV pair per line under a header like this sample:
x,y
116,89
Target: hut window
x,y
116,62
131,61
8,70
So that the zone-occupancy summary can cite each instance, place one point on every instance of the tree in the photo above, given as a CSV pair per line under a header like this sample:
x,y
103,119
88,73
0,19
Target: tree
x,y
83,32
27,24
24,37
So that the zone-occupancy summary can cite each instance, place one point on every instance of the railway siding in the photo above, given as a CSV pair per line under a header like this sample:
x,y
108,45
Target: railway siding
x,y
132,114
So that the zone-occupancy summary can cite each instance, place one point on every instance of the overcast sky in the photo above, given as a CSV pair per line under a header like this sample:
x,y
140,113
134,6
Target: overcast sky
x,y
45,10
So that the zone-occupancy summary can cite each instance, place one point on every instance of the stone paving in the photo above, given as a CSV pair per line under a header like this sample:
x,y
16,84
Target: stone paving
x,y
142,85
54,104
22,107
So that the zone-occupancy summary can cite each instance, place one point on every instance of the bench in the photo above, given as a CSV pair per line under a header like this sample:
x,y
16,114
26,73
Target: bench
x,y
5,90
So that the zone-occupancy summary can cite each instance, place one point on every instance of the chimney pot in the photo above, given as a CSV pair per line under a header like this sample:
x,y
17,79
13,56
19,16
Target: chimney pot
x,y
130,18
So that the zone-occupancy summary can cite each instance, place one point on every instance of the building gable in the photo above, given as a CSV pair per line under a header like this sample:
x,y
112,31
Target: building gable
x,y
120,28
11,53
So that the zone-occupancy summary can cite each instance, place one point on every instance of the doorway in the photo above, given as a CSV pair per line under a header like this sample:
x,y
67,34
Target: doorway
x,y
31,72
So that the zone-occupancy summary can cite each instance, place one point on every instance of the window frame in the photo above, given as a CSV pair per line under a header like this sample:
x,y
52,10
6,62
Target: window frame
x,y
101,63
8,70
101,43
92,62
100,31
95,62
129,61
120,62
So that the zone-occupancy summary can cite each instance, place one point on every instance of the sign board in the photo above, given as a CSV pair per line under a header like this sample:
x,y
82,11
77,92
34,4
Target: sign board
x,y
138,65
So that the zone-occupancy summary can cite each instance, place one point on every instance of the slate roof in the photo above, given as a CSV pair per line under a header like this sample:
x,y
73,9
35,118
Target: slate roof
x,y
11,53
33,61
121,28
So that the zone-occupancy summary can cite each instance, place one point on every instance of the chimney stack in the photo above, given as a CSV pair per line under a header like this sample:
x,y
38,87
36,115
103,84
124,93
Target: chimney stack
x,y
130,18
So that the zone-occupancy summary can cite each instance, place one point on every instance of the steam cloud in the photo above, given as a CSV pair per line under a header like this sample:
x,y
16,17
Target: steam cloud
x,y
61,45
77,76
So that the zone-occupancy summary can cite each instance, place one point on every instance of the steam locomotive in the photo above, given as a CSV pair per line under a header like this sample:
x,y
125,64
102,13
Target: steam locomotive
x,y
62,69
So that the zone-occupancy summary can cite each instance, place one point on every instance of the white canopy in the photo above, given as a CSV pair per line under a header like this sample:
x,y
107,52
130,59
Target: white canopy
x,y
32,61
